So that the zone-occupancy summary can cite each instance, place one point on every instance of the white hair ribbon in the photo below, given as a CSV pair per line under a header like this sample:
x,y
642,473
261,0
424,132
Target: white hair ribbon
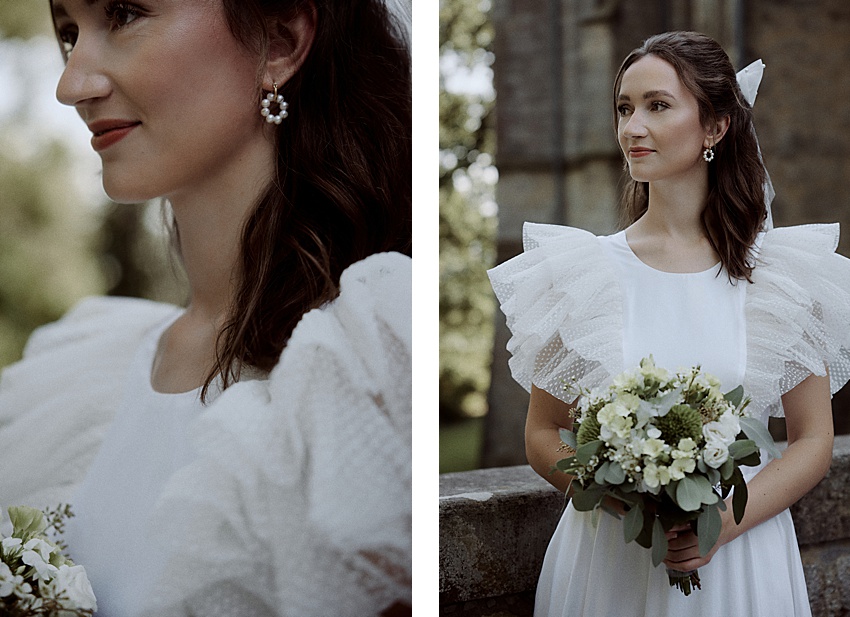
x,y
749,79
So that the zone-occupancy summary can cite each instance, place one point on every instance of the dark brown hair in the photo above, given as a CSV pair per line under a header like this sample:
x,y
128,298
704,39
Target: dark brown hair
x,y
735,209
342,187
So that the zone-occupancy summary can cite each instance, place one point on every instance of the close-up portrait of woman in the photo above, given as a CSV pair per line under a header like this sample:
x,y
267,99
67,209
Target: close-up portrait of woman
x,y
248,452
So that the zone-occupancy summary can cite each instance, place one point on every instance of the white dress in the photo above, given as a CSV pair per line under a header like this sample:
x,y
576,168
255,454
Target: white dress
x,y
585,308
285,496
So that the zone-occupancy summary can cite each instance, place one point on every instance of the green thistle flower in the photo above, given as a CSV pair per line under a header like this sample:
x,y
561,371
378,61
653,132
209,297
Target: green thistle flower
x,y
681,421
588,430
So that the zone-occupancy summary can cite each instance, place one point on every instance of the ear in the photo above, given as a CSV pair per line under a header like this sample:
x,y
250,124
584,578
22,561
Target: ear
x,y
720,128
290,40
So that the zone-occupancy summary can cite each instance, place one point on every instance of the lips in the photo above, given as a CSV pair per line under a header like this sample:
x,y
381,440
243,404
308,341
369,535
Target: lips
x,y
639,152
109,132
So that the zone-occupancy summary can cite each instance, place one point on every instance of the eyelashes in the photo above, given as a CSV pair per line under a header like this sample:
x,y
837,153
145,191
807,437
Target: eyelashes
x,y
624,110
118,15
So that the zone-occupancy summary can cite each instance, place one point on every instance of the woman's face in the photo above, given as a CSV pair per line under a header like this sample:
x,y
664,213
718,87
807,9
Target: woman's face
x,y
659,128
169,95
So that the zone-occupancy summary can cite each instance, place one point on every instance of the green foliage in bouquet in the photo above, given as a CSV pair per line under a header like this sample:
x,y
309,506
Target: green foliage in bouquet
x,y
670,447
36,578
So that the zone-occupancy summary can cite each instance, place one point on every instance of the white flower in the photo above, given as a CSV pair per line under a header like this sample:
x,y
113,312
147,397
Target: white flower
x,y
653,448
723,430
11,545
45,549
72,585
715,454
653,432
686,444
680,467
7,581
653,475
43,570
629,380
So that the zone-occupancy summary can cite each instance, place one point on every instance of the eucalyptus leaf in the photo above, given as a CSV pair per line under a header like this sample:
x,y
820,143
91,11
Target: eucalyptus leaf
x,y
664,403
735,396
751,460
727,469
702,466
632,524
26,522
713,476
587,451
566,464
688,494
600,473
659,543
585,500
615,475
568,437
709,524
742,448
758,432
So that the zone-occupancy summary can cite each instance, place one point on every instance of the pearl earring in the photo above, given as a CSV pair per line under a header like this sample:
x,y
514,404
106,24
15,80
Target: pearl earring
x,y
708,154
266,103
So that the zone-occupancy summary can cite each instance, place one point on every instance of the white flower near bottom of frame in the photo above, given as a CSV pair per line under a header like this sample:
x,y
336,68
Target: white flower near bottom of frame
x,y
655,475
72,587
11,584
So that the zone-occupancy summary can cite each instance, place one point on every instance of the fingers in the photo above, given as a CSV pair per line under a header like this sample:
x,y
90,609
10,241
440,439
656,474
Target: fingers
x,y
683,552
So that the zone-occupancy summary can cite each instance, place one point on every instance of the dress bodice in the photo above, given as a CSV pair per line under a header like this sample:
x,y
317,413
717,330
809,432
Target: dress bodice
x,y
682,319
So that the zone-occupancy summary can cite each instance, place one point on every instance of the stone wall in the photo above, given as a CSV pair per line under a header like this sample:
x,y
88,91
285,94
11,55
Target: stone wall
x,y
495,525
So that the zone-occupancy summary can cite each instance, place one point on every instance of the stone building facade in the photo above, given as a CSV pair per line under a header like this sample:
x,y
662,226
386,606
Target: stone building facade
x,y
556,147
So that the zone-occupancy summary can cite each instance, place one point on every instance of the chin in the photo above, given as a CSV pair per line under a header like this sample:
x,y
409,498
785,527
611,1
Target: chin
x,y
125,192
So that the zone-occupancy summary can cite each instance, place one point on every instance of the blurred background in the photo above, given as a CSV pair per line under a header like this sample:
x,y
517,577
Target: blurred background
x,y
61,239
526,134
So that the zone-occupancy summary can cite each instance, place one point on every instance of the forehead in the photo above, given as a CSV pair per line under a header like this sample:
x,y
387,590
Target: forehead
x,y
651,73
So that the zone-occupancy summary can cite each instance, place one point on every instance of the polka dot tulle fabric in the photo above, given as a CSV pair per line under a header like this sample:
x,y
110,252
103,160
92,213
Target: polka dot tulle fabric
x,y
564,307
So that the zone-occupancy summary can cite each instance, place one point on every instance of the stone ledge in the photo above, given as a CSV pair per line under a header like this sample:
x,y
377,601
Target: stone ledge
x,y
495,525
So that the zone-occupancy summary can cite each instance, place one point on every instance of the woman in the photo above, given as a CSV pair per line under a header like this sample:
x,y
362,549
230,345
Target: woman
x,y
248,455
696,278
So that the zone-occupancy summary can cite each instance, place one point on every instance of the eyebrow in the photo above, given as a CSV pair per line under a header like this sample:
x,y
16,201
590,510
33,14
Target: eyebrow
x,y
59,10
648,95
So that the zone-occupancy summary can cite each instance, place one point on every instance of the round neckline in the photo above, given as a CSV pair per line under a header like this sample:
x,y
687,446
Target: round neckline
x,y
151,345
625,241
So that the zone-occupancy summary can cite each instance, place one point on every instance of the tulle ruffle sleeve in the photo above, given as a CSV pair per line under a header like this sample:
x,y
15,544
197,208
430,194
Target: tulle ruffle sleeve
x,y
56,403
798,314
563,305
299,500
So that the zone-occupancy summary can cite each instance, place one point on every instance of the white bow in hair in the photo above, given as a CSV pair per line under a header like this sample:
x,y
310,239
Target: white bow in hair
x,y
749,79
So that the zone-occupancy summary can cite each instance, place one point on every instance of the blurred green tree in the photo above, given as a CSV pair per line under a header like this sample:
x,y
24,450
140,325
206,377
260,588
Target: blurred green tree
x,y
467,206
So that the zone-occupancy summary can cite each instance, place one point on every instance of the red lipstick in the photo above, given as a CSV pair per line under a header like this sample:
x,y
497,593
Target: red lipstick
x,y
110,132
639,152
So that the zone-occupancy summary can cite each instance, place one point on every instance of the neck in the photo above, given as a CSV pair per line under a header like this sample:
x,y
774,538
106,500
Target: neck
x,y
210,220
676,205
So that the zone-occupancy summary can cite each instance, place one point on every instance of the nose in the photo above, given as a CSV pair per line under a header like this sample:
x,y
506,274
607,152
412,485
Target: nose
x,y
84,78
634,125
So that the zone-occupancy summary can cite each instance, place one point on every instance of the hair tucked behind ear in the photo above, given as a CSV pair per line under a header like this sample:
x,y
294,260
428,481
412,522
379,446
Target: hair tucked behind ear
x,y
735,209
342,189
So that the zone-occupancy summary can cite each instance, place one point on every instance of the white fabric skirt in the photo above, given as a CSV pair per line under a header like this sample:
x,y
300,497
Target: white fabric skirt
x,y
591,572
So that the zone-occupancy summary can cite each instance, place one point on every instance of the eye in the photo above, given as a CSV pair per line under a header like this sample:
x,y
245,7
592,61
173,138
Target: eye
x,y
658,106
623,110
67,38
120,14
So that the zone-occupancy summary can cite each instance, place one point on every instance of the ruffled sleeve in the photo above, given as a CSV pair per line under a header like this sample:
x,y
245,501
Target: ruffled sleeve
x,y
798,314
563,305
56,403
299,500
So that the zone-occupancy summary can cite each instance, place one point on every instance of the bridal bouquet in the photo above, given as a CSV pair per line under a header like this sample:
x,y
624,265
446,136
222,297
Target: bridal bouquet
x,y
36,579
670,448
